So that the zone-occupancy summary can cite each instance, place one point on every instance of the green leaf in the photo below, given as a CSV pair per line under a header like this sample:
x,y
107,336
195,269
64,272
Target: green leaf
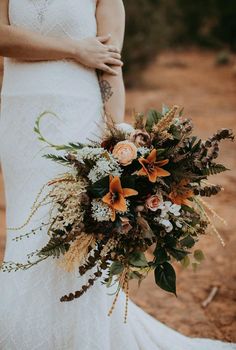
x,y
160,255
187,242
178,254
185,262
198,255
59,159
138,259
153,117
128,181
116,268
175,132
214,169
165,277
100,188
170,241
55,247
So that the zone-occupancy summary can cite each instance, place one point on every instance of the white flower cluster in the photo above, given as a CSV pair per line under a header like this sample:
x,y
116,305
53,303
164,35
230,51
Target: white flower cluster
x,y
168,209
105,163
143,151
100,211
69,193
90,153
104,167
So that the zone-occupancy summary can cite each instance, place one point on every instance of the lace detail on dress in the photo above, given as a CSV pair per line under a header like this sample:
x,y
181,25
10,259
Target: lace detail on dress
x,y
41,8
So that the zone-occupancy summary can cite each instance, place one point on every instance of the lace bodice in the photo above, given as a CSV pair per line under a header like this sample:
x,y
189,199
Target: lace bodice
x,y
56,18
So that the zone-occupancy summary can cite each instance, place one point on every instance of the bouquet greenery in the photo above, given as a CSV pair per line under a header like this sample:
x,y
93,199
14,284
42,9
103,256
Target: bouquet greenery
x,y
139,190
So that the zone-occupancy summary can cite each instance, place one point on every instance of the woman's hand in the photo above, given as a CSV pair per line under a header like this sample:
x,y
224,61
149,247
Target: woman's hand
x,y
94,53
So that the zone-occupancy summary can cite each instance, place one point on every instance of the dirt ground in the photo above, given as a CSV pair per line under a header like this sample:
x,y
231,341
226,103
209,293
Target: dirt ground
x,y
208,93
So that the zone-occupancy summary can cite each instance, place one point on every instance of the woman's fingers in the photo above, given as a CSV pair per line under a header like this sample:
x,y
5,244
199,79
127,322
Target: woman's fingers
x,y
114,62
108,69
112,48
115,55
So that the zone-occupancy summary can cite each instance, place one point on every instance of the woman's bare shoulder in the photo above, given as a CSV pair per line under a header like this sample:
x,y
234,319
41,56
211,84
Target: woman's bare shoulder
x,y
4,19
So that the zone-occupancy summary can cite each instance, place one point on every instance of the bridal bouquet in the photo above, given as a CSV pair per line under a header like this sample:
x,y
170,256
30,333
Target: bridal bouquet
x,y
131,203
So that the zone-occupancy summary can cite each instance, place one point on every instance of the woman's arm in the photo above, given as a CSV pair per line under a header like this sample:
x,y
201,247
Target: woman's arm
x,y
31,46
111,19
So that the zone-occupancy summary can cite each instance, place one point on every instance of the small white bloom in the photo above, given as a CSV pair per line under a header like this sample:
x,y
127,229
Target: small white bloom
x,y
167,224
127,128
104,167
174,209
168,207
143,151
91,153
178,224
101,211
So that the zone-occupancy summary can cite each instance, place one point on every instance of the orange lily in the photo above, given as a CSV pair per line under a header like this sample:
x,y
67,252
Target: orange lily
x,y
115,198
152,168
180,194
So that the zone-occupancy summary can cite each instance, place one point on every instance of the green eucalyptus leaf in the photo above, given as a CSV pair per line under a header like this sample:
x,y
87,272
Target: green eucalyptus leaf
x,y
160,255
187,242
153,117
198,255
100,187
165,277
116,268
178,254
138,259
185,262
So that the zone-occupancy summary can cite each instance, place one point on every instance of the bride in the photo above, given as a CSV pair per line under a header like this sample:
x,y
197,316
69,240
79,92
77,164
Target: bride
x,y
53,49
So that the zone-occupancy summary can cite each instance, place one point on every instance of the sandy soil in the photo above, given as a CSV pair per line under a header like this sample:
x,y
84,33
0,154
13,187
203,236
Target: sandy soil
x,y
207,91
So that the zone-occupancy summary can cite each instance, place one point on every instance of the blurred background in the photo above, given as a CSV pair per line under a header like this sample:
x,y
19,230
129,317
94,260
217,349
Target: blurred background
x,y
183,52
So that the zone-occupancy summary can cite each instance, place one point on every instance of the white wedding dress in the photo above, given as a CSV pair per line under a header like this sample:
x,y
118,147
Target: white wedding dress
x,y
31,315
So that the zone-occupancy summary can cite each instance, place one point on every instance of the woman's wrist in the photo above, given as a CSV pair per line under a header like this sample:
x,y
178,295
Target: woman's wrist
x,y
71,49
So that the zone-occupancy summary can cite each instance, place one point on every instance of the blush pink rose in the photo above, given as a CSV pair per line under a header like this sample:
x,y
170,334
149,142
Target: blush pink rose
x,y
153,202
125,152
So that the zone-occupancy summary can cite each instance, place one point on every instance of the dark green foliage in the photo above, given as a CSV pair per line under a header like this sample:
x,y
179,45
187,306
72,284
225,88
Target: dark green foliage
x,y
116,268
153,117
138,259
55,247
187,242
59,159
165,277
100,188
214,169
160,255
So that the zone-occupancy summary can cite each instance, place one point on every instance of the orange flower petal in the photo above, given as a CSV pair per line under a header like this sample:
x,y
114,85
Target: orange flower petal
x,y
161,163
186,202
142,172
115,185
152,176
152,156
143,161
127,192
120,204
162,172
107,198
